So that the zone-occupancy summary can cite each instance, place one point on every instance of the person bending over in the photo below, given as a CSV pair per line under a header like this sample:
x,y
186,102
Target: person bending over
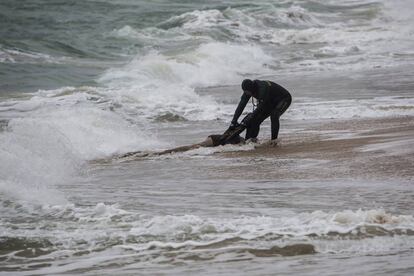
x,y
272,101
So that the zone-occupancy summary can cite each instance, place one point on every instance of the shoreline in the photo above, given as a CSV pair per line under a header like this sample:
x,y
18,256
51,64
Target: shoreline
x,y
371,149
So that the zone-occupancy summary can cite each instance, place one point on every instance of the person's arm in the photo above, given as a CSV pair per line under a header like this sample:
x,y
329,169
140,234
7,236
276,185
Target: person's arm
x,y
239,110
264,104
251,116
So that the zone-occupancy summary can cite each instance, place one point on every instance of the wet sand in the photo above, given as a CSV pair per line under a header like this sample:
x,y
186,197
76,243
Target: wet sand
x,y
368,148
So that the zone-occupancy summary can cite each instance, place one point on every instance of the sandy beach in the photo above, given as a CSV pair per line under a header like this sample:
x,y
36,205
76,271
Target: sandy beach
x,y
369,148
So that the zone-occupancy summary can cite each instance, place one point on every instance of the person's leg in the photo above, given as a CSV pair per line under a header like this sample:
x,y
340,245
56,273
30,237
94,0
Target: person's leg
x,y
285,104
280,108
274,119
254,125
252,131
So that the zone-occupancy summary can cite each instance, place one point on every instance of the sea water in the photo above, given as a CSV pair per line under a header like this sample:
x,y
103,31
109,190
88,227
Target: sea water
x,y
83,81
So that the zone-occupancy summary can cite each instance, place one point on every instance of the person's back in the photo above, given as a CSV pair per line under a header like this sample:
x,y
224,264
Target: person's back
x,y
277,92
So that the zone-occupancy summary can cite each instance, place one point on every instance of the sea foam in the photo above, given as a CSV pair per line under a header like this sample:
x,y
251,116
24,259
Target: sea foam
x,y
162,83
54,133
103,226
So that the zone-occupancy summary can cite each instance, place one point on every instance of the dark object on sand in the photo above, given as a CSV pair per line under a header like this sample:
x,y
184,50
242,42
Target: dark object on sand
x,y
230,136
211,141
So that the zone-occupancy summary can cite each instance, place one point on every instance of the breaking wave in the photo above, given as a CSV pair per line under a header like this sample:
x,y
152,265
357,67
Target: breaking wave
x,y
158,84
108,227
48,138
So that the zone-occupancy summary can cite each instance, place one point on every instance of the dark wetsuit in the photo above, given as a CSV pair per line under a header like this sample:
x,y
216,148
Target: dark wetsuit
x,y
273,101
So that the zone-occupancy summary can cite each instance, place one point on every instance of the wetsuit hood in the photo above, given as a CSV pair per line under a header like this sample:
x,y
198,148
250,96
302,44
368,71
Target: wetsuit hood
x,y
248,85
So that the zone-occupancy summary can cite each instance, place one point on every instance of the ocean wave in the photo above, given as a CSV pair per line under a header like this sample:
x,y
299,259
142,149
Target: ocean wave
x,y
84,116
318,223
348,36
50,136
349,224
109,227
207,65
284,25
163,83
234,19
229,25
27,57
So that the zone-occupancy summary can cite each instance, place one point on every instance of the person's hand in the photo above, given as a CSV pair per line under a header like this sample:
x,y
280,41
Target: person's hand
x,y
246,120
233,125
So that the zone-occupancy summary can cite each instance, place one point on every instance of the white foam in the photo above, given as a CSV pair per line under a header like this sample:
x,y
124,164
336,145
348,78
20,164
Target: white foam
x,y
105,227
378,32
208,65
203,151
88,133
317,224
248,21
347,109
157,83
361,37
299,225
21,56
34,193
34,158
50,136
197,19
